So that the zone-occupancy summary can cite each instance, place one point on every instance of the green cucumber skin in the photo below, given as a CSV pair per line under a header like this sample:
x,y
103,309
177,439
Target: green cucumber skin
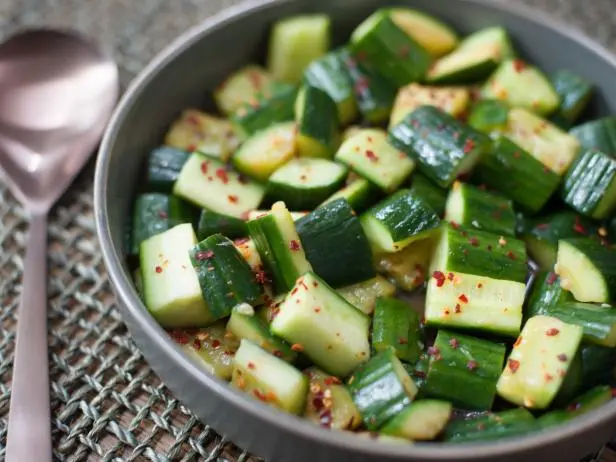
x,y
598,134
489,116
211,222
597,322
405,215
450,377
598,365
331,75
163,168
485,254
154,213
277,106
336,245
396,325
434,196
572,383
377,390
509,169
318,120
374,94
574,91
438,143
602,256
469,75
491,426
592,399
391,52
225,277
360,195
587,182
487,212
546,293
419,372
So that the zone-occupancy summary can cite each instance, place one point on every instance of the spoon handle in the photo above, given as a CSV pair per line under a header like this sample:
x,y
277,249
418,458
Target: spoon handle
x,y
29,433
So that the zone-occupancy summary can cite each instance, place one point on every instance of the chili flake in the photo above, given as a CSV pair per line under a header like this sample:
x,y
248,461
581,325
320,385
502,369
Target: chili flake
x,y
453,343
180,336
221,173
297,347
204,166
519,65
472,365
331,381
233,199
577,226
463,298
450,276
458,309
562,357
251,365
440,278
243,179
371,155
403,341
163,215
517,341
474,241
158,269
551,278
203,255
469,145
215,343
259,395
294,245
434,351
552,332
513,365
277,353
479,285
511,255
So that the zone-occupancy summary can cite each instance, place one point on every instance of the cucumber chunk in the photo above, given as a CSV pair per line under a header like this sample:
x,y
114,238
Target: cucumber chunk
x,y
597,134
532,380
399,220
396,325
546,293
363,295
434,196
574,92
305,182
164,166
434,35
598,322
359,193
296,42
381,388
317,123
587,269
242,87
209,184
211,223
521,85
266,151
171,290
370,155
489,116
422,420
408,267
322,324
269,379
598,365
254,214
491,426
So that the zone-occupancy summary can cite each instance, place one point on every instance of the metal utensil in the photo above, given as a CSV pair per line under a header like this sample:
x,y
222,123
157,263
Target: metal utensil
x,y
57,92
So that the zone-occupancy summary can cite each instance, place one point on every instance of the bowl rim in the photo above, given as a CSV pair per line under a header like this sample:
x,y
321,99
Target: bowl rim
x,y
128,297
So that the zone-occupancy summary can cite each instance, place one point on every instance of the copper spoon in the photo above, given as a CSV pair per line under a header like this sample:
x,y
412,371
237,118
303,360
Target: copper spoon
x,y
57,92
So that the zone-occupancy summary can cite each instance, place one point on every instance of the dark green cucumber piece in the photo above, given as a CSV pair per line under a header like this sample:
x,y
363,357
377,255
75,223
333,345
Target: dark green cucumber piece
x,y
520,84
489,116
396,325
382,45
359,193
599,134
171,290
245,324
154,213
514,172
381,388
399,220
304,183
225,277
533,380
419,371
369,154
421,420
408,267
589,186
241,87
545,294
164,166
279,246
587,269
330,74
464,370
543,233
471,207
474,59
317,123
592,399
363,295
434,196
213,223
598,321
295,42
336,245
274,106
269,379
574,91
442,146
322,324
329,403
212,347
435,36
491,426
374,93
572,382
598,365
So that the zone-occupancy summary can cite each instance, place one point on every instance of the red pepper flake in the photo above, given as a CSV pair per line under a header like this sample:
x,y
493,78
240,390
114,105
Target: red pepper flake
x,y
453,343
457,309
294,245
562,357
261,277
474,241
516,155
369,139
454,225
511,255
317,310
472,365
419,374
548,377
215,344
519,65
221,173
204,166
332,381
303,284
196,344
551,278
479,285
434,351
469,145
203,255
403,341
277,353
163,215
259,395
450,276
552,332
158,269
361,85
440,278
297,347
233,199
180,336
191,147
517,341
577,226
371,155
294,291
251,365
325,418
243,179
317,401
315,284
447,312
463,298
303,177
513,365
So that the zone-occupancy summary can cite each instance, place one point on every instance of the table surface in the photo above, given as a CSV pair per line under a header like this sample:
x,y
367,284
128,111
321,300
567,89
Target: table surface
x,y
107,404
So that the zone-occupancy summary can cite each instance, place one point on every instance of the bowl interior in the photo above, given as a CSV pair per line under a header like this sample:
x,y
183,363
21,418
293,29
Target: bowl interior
x,y
185,75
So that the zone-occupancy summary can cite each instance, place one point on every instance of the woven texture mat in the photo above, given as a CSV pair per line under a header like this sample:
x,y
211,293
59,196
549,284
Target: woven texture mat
x,y
107,404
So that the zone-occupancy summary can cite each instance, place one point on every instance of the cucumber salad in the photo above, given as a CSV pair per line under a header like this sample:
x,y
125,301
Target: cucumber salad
x,y
407,236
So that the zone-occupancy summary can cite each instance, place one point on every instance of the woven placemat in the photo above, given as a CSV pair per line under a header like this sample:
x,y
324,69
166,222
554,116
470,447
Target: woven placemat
x,y
107,404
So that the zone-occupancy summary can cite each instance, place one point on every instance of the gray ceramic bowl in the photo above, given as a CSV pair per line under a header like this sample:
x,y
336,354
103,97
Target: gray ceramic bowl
x,y
182,76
